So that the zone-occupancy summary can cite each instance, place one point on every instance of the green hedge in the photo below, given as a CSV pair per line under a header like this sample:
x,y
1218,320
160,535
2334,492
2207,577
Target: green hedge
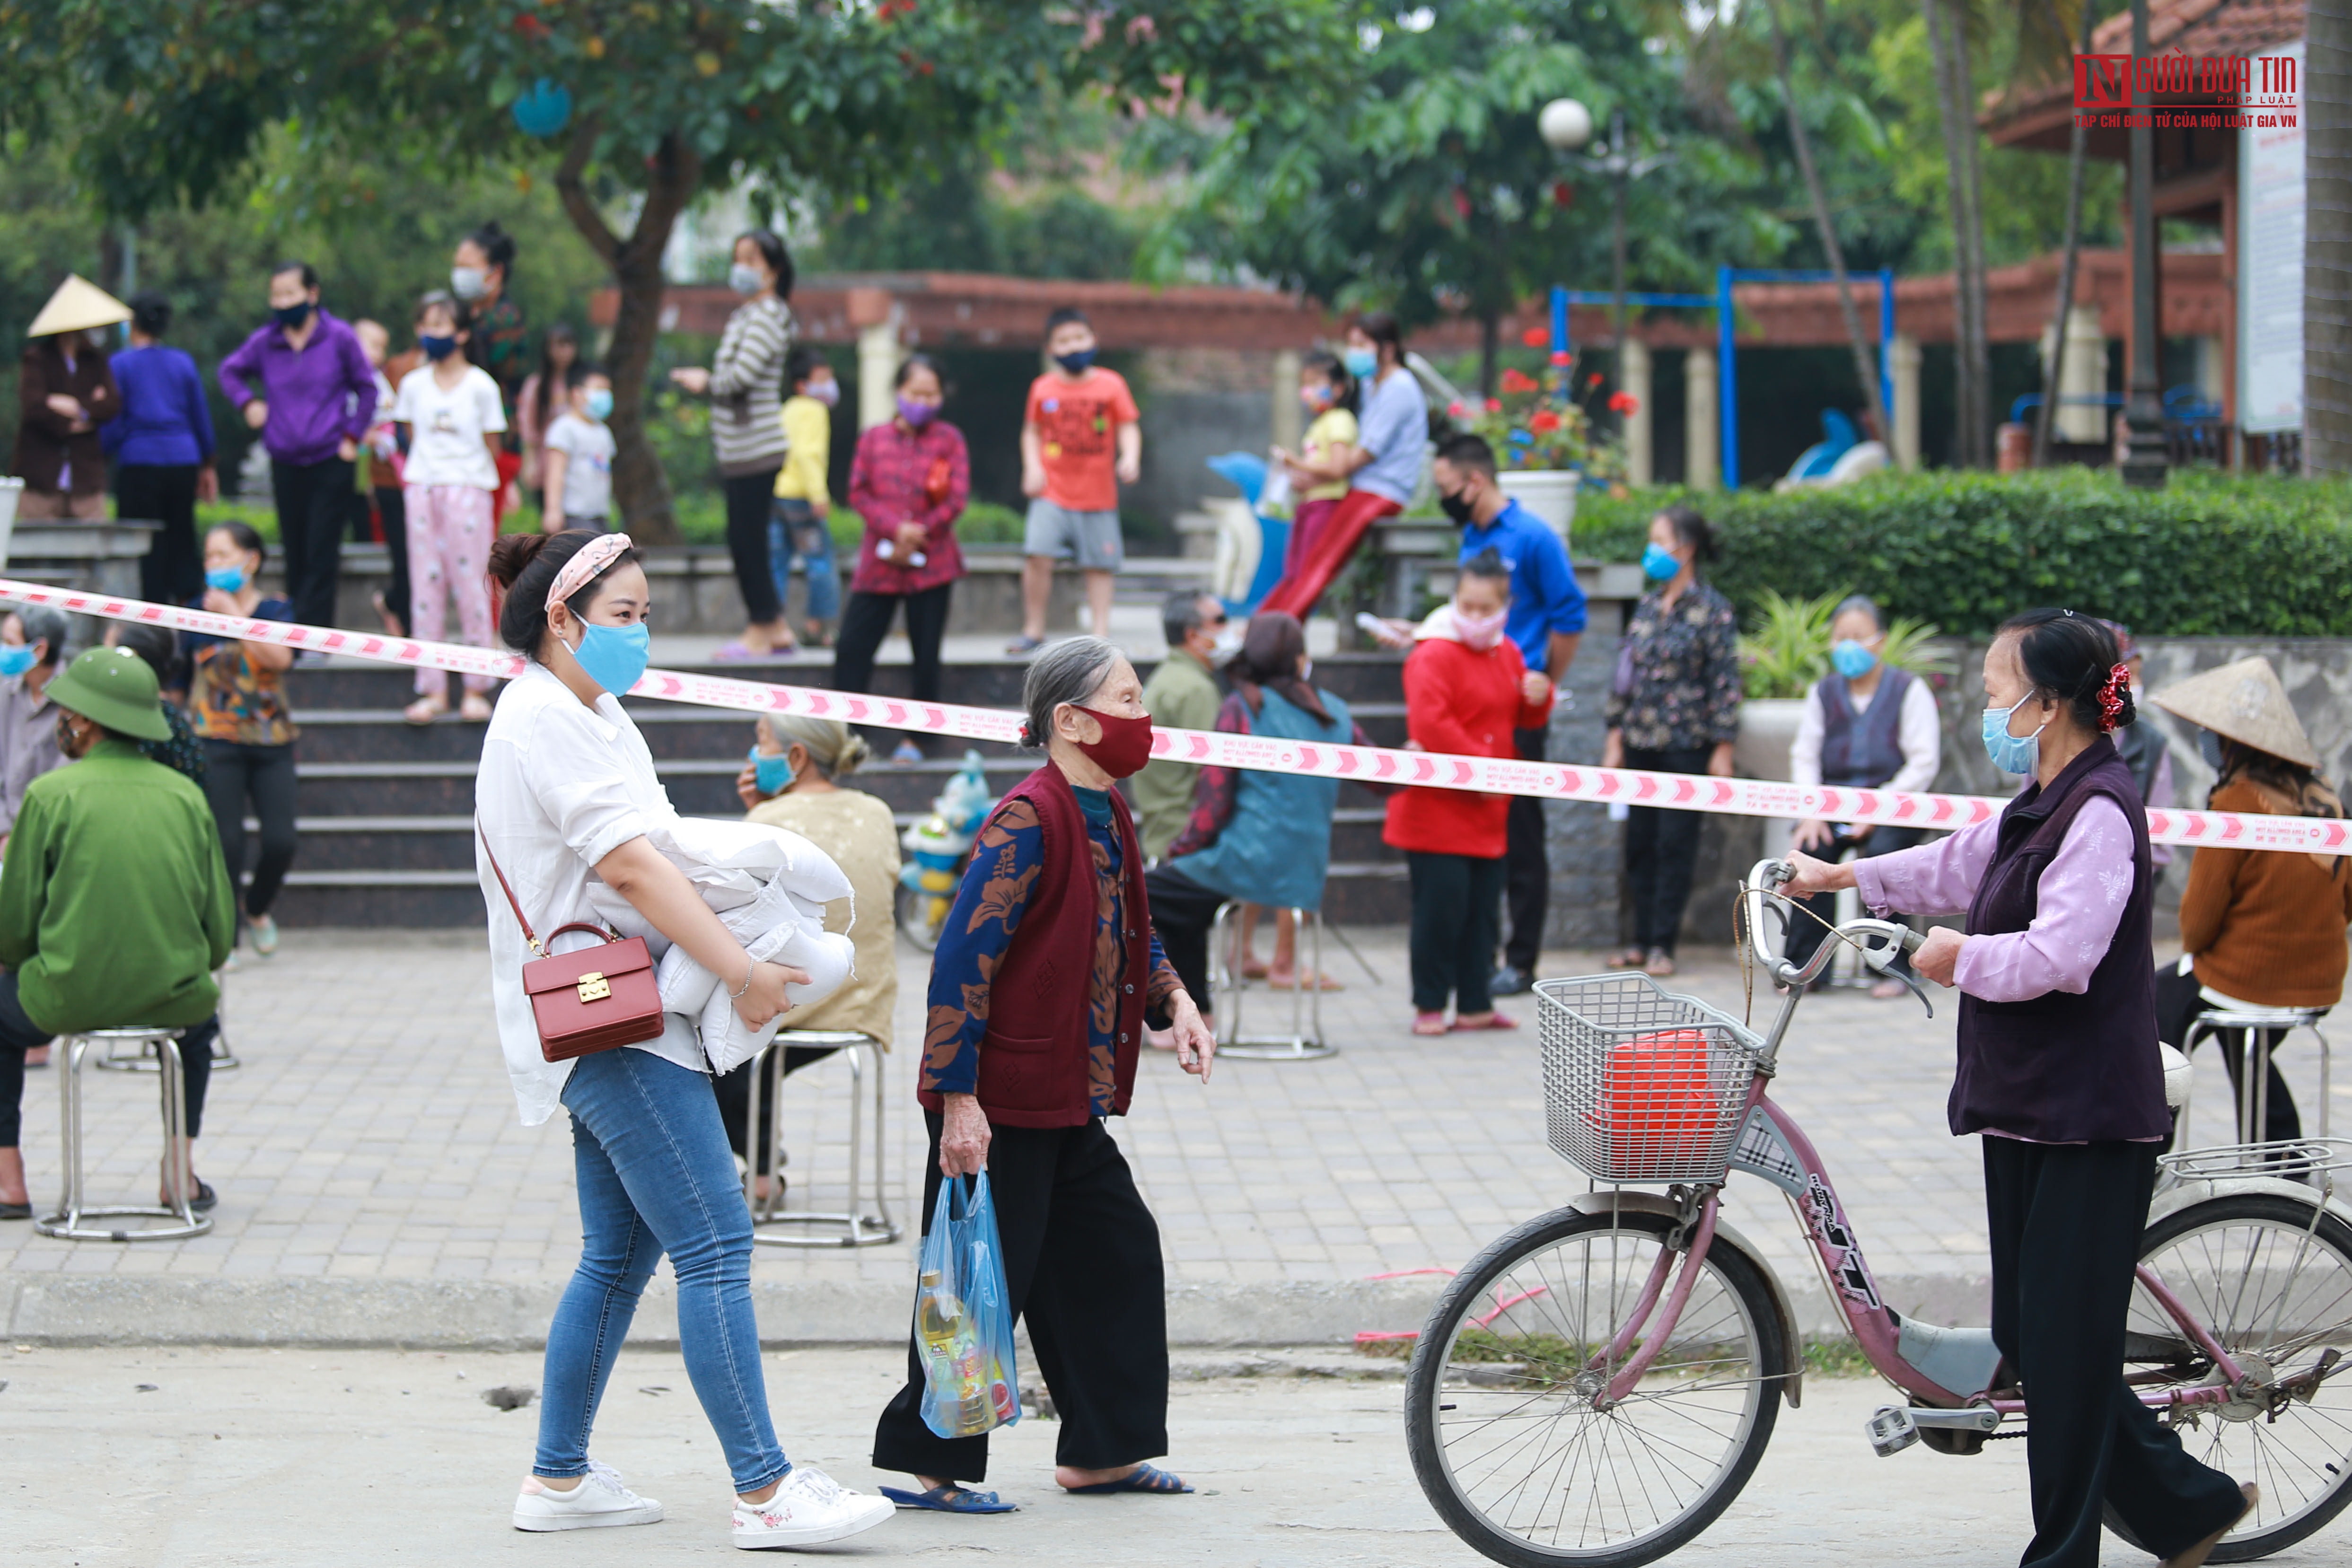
x,y
2211,555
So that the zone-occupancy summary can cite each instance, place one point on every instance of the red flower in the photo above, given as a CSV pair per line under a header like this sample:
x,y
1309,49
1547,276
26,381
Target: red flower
x,y
1563,194
1544,422
1593,380
1456,408
1461,200
1537,337
1513,381
1494,405
1624,402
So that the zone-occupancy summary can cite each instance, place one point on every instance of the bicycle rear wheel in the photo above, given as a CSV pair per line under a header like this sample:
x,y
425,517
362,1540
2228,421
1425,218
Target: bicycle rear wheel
x,y
2276,1292
1500,1417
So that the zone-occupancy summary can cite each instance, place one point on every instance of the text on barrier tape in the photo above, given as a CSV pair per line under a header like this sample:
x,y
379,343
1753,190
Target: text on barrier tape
x,y
1371,764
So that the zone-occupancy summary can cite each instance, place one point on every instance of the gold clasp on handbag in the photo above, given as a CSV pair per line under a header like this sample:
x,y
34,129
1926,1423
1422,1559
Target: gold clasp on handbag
x,y
594,987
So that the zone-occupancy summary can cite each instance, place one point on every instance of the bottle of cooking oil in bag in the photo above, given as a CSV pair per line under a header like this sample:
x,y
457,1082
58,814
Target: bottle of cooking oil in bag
x,y
952,1358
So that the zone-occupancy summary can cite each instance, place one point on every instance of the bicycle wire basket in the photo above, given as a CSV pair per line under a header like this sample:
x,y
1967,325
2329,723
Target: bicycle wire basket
x,y
1640,1085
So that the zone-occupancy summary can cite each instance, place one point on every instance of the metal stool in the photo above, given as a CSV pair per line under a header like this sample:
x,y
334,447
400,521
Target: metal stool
x,y
1304,1041
2251,1026
125,1057
69,1222
854,1228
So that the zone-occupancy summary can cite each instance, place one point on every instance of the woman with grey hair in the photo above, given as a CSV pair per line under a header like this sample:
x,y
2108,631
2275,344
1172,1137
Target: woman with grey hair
x,y
791,781
1864,726
32,649
1022,1065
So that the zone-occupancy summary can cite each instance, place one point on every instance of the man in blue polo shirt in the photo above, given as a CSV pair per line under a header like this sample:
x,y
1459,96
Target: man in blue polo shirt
x,y
1546,619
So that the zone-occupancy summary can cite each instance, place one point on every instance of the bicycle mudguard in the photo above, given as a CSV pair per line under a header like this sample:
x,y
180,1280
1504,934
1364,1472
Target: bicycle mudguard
x,y
1630,1200
2172,1200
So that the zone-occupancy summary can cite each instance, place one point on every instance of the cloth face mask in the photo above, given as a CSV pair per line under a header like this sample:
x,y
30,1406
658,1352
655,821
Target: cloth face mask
x,y
1125,746
827,392
1852,660
615,657
436,349
1479,632
918,414
2017,754
1075,364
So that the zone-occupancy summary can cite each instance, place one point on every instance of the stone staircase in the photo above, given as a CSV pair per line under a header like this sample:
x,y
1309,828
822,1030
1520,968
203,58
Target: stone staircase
x,y
385,807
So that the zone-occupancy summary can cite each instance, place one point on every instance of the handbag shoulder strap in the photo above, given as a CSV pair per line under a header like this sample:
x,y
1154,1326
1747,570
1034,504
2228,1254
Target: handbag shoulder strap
x,y
521,918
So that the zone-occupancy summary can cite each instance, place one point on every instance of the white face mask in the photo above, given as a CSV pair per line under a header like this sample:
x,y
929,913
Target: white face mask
x,y
745,281
470,282
1228,644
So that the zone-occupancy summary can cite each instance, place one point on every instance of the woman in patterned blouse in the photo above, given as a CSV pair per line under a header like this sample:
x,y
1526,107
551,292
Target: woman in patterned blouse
x,y
1672,708
1043,970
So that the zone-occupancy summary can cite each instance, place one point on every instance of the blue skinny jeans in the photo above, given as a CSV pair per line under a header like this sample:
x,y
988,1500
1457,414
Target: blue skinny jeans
x,y
797,537
656,1175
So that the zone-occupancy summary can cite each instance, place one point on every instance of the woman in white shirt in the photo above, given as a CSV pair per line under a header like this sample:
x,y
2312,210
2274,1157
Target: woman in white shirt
x,y
1867,727
454,420
567,792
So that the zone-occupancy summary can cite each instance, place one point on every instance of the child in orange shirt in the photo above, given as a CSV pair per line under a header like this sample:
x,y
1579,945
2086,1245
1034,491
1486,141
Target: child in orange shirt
x,y
1081,439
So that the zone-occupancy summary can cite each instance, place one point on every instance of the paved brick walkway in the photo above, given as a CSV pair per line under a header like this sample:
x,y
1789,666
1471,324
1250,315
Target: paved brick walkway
x,y
369,1134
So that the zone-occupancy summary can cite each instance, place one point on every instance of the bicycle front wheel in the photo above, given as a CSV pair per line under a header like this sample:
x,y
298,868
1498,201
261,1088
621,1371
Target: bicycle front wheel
x,y
2275,1289
1501,1416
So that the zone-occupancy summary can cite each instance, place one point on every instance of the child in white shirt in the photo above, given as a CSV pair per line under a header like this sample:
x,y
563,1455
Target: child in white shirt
x,y
576,456
455,419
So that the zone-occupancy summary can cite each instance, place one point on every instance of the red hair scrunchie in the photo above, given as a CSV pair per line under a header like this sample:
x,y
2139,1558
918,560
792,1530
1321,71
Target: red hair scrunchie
x,y
2111,697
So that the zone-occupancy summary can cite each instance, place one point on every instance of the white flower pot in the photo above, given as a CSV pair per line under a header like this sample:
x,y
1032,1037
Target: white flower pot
x,y
1549,493
1768,728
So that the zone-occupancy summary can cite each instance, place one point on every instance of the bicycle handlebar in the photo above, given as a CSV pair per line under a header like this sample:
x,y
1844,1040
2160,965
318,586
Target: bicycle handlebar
x,y
1879,940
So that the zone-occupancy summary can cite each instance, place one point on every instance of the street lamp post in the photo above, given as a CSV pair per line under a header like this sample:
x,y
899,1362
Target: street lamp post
x,y
2144,461
1566,125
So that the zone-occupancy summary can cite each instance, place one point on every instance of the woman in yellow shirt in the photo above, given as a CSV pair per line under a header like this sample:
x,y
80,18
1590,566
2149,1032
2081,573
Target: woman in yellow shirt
x,y
1319,475
797,535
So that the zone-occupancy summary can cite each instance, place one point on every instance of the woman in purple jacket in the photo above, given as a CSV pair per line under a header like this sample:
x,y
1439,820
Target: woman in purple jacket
x,y
2058,1069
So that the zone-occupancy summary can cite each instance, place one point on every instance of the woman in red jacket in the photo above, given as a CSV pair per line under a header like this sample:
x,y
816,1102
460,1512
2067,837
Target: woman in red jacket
x,y
1465,691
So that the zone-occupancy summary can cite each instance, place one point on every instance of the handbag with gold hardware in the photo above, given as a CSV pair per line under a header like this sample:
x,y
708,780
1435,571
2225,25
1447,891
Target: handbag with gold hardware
x,y
591,1000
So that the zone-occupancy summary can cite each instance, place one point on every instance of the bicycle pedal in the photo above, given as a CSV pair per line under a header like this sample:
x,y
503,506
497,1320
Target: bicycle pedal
x,y
1891,1430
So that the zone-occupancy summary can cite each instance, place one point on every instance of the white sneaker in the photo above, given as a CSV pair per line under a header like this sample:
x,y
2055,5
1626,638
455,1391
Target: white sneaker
x,y
809,1509
599,1499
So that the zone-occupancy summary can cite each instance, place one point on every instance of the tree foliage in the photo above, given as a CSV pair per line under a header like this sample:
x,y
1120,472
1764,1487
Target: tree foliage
x,y
167,101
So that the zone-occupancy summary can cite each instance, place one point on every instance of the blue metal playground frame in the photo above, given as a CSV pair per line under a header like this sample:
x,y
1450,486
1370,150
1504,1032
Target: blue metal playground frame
x,y
1726,334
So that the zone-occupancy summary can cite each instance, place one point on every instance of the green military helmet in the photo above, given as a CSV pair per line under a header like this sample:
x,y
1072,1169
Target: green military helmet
x,y
113,687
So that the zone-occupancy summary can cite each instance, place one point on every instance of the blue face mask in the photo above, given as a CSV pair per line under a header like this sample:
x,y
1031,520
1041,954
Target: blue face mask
x,y
227,579
1075,364
1659,563
2019,754
16,660
1852,660
773,774
615,657
436,349
599,404
1360,363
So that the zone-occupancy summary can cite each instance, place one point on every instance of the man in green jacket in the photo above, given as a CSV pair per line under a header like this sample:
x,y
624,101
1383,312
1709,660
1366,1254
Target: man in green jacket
x,y
115,903
1180,694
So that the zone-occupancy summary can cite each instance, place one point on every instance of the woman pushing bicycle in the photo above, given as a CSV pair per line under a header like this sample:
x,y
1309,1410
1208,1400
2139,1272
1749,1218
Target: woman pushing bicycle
x,y
2058,1067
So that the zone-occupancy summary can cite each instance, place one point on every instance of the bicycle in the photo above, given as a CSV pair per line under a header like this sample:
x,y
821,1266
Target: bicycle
x,y
1598,1386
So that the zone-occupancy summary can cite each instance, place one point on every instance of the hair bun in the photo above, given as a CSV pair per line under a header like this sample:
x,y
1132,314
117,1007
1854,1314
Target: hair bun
x,y
511,553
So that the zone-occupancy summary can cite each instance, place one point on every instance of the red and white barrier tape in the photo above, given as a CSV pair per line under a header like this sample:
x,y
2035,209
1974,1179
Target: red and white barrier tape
x,y
1488,775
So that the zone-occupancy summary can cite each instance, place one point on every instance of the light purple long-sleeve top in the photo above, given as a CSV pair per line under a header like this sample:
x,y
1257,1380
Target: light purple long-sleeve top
x,y
2078,902
316,397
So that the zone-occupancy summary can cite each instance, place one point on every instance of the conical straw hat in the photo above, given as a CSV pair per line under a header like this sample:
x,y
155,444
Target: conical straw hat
x,y
2242,702
77,306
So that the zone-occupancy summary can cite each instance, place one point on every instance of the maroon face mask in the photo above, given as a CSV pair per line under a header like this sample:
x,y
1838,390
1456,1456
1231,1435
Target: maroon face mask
x,y
1125,746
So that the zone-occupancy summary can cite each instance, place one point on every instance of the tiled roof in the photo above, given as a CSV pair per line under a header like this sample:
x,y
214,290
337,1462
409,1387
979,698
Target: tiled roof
x,y
2199,28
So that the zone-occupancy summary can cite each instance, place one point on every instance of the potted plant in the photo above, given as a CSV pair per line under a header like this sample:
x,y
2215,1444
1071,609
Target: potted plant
x,y
1544,442
1785,651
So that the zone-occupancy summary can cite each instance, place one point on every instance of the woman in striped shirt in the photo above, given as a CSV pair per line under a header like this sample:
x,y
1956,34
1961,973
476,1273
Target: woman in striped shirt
x,y
745,382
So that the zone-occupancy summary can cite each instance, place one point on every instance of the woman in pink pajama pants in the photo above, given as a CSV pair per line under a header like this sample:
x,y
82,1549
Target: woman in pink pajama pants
x,y
455,419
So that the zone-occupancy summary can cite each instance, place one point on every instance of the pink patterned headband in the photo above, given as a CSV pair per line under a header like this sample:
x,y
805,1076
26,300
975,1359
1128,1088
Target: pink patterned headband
x,y
581,568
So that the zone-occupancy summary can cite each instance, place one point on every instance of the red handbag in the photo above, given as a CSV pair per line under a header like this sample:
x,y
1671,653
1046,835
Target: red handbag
x,y
592,1000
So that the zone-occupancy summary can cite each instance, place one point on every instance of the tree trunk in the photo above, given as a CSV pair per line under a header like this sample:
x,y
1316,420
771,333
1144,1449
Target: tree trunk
x,y
2054,371
1865,368
2327,239
1949,44
1978,345
1490,349
640,489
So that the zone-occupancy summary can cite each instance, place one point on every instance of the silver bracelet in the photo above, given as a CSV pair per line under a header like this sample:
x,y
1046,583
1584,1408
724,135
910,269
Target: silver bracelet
x,y
749,975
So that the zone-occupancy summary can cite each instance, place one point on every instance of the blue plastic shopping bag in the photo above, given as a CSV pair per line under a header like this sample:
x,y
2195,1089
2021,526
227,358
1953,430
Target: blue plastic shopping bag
x,y
963,1322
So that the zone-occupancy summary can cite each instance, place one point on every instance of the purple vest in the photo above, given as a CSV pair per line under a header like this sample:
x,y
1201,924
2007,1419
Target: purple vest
x,y
1862,752
2061,1068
